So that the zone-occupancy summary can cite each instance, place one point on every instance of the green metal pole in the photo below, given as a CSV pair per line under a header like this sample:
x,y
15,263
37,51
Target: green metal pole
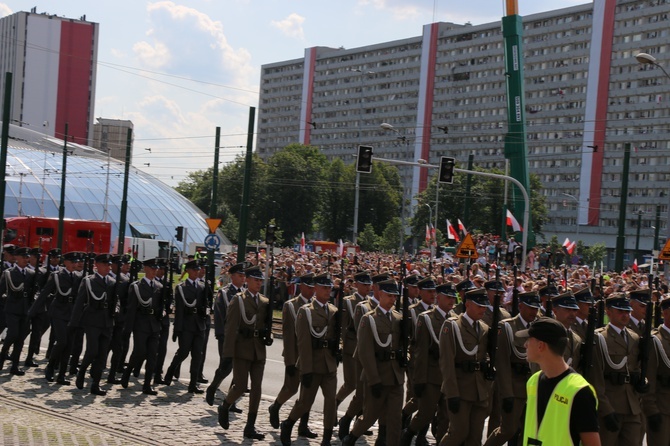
x,y
61,207
657,246
468,188
244,208
621,237
637,235
213,206
124,200
4,144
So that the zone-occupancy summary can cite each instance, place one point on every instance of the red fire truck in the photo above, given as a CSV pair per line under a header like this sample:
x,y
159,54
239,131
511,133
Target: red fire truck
x,y
42,232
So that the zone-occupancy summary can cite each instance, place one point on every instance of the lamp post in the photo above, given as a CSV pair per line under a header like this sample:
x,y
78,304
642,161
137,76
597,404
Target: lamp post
x,y
577,219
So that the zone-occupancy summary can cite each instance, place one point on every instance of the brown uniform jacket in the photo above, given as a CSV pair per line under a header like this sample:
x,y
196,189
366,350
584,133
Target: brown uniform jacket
x,y
580,329
458,382
348,325
290,339
376,369
427,348
242,340
657,399
511,360
488,315
638,327
315,355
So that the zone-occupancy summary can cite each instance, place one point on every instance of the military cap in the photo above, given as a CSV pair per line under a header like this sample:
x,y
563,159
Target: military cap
x,y
307,279
254,272
116,258
103,258
192,264
150,263
162,263
447,289
412,280
465,285
618,301
72,256
380,278
126,258
494,285
363,277
389,286
35,252
530,298
584,295
565,300
665,303
545,329
323,280
548,290
81,256
238,268
642,295
478,296
9,248
22,251
54,252
427,283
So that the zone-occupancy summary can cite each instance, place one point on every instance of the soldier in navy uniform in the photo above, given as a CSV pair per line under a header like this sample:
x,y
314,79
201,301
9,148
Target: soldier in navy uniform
x,y
18,284
7,263
117,345
189,325
94,310
53,265
63,286
168,300
39,320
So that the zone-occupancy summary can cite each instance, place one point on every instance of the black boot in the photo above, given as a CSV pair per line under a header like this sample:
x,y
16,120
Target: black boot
x,y
406,437
211,389
303,427
421,437
194,388
286,428
96,390
61,378
125,378
15,370
49,373
111,378
381,436
223,415
168,375
158,379
327,435
250,429
349,440
343,427
79,382
147,389
29,362
274,414
235,409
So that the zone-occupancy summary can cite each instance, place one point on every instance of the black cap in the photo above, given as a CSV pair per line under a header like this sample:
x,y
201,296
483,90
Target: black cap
x,y
254,272
494,285
150,263
192,264
478,296
103,258
162,263
447,289
618,301
22,251
565,300
665,303
548,290
545,329
412,280
363,277
35,251
238,267
530,299
72,256
380,278
389,286
9,248
323,280
642,295
54,252
584,295
307,279
427,283
465,285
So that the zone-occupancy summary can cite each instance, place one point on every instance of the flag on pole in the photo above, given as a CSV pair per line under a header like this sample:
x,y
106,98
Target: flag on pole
x,y
566,243
341,248
461,227
511,221
302,243
433,235
571,247
427,235
452,234
635,266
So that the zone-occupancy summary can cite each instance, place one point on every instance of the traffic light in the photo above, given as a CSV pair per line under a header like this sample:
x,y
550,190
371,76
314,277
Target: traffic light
x,y
270,237
446,170
364,159
180,233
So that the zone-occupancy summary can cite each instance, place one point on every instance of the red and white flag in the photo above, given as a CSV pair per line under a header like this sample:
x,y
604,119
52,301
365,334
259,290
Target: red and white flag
x,y
302,243
427,235
452,233
566,243
461,227
635,266
511,221
433,235
571,247
341,248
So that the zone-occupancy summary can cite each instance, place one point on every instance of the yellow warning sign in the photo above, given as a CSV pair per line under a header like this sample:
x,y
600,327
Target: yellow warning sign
x,y
212,224
467,249
665,252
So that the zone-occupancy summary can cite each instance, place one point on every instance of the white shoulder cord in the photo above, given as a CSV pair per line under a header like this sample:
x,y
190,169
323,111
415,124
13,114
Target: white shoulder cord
x,y
350,307
661,351
58,288
183,298
457,330
316,334
603,344
90,291
243,313
11,284
145,303
429,326
373,326
510,337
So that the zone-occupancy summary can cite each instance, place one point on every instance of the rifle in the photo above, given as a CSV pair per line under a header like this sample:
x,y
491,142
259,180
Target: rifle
x,y
405,323
170,291
589,341
490,372
658,313
114,298
337,351
601,303
515,293
89,263
645,344
549,308
271,299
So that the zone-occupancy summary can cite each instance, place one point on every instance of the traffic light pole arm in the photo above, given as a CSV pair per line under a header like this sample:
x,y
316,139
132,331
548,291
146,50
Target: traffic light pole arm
x,y
526,213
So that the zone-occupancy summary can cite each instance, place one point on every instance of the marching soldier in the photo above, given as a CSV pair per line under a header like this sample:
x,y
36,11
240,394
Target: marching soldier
x,y
54,259
638,302
291,354
427,374
380,352
189,326
585,301
94,311
145,312
492,288
117,345
168,301
565,311
245,347
18,284
546,293
656,402
410,283
209,295
463,360
512,370
39,320
315,329
462,288
616,376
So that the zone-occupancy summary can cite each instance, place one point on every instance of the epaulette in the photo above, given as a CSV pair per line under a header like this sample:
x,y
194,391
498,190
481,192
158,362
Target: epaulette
x,y
453,318
601,329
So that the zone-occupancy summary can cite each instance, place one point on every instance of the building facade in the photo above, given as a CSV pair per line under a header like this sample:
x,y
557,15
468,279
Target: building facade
x,y
111,136
444,93
53,64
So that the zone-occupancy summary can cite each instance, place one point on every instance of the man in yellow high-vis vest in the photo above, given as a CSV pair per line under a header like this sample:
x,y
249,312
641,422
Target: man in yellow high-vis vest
x,y
562,405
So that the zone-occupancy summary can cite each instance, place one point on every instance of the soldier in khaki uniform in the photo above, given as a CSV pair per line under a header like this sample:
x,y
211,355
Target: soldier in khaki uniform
x,y
638,302
616,376
463,361
656,402
315,328
512,370
565,311
462,287
380,352
427,373
244,344
290,354
585,301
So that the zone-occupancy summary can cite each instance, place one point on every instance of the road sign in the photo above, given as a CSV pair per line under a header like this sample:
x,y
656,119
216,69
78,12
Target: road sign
x,y
665,252
467,249
212,241
212,224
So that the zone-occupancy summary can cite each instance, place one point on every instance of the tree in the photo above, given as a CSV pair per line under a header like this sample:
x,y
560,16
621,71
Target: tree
x,y
368,239
390,238
336,214
594,254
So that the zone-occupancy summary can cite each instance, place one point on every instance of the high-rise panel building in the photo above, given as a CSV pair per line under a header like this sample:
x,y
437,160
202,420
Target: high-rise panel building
x,y
53,64
111,136
444,93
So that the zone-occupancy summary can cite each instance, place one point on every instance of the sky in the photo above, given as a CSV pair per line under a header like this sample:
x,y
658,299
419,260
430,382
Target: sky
x,y
179,69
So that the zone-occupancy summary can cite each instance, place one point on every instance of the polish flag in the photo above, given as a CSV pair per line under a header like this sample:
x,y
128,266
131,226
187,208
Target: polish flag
x,y
427,235
571,247
452,234
461,227
433,235
566,243
302,243
341,248
635,266
511,221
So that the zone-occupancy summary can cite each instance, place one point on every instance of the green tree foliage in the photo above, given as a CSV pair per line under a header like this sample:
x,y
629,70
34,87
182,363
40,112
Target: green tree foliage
x,y
390,238
595,253
368,239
